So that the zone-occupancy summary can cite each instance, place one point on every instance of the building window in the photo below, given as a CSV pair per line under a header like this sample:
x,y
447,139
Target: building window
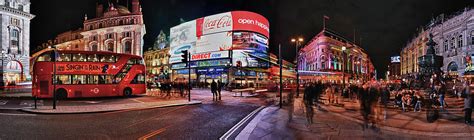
x,y
472,37
446,46
94,47
109,36
20,7
91,27
452,43
110,46
15,21
460,40
128,47
15,33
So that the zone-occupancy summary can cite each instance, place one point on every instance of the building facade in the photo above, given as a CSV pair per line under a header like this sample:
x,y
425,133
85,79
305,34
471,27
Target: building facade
x,y
15,41
324,59
394,69
454,36
115,29
157,59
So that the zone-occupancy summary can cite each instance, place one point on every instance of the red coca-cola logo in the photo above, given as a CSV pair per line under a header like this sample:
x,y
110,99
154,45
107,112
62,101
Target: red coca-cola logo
x,y
222,22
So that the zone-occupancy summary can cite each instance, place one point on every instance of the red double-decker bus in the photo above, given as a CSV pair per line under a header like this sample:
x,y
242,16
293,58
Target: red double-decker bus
x,y
88,74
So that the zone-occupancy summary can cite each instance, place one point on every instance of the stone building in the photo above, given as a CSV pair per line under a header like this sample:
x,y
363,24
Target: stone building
x,y
324,59
115,29
454,36
157,59
15,41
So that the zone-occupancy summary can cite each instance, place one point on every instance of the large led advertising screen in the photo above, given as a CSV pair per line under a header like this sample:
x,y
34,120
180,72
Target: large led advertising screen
x,y
236,30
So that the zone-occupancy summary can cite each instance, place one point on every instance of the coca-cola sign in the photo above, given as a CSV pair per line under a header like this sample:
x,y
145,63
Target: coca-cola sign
x,y
222,22
214,24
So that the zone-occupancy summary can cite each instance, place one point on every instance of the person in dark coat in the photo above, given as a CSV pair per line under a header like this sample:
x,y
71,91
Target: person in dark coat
x,y
467,103
219,88
214,90
308,99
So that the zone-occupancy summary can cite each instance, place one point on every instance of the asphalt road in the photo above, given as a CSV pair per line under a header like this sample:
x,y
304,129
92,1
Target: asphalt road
x,y
209,120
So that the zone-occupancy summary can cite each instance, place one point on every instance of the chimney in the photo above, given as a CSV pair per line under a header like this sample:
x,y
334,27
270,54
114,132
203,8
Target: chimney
x,y
136,7
99,10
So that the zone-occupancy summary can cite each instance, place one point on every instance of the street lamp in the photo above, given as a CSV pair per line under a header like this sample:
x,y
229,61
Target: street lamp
x,y
298,43
343,67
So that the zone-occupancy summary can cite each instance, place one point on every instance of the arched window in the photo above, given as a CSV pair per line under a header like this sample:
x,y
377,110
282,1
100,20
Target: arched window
x,y
110,46
460,40
128,47
94,47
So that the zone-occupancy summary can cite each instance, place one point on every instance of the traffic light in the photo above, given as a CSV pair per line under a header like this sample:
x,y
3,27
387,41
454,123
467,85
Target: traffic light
x,y
184,56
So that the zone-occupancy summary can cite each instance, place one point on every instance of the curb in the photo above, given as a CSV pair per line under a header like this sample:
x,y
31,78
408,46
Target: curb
x,y
395,129
33,111
245,120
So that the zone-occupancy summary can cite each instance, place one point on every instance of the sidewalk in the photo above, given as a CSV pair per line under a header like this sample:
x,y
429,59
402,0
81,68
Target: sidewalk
x,y
107,107
331,122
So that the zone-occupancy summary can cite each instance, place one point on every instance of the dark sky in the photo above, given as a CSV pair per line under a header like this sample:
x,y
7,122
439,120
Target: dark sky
x,y
383,26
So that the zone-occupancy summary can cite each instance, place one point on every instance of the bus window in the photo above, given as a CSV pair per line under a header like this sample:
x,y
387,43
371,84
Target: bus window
x,y
79,79
108,58
93,58
139,79
78,58
64,57
92,79
44,58
63,79
105,79
135,62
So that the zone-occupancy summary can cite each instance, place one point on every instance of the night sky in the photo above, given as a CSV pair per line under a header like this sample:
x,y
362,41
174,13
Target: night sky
x,y
382,27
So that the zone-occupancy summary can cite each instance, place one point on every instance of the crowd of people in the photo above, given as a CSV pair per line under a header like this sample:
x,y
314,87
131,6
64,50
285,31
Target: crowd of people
x,y
374,98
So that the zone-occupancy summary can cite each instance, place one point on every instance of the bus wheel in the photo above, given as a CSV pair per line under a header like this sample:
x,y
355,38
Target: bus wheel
x,y
127,92
61,94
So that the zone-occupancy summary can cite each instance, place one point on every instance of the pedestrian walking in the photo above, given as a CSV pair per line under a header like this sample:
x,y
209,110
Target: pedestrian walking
x,y
219,88
308,101
467,95
214,90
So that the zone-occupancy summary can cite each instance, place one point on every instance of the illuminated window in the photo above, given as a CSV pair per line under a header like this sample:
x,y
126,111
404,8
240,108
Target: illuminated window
x,y
79,79
78,58
93,58
63,79
64,57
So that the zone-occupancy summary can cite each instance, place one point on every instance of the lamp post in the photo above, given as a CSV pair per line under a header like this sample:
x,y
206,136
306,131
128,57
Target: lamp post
x,y
343,67
297,45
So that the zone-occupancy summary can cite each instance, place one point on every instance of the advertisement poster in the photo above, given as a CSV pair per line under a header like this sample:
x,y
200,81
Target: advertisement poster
x,y
249,58
249,41
213,42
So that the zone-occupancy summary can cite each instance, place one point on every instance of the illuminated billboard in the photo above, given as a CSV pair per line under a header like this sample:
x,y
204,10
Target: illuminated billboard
x,y
217,33
395,59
